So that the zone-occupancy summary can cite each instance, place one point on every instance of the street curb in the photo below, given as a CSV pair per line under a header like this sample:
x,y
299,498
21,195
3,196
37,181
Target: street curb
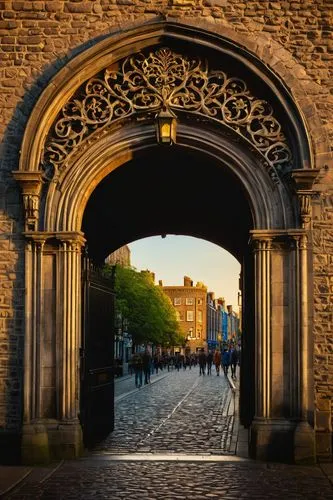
x,y
231,383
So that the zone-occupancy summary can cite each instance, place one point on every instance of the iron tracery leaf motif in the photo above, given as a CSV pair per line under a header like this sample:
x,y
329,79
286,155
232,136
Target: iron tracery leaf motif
x,y
146,83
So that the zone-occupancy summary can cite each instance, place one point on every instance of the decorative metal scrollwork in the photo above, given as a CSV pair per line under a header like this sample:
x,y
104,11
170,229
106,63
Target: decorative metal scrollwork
x,y
146,83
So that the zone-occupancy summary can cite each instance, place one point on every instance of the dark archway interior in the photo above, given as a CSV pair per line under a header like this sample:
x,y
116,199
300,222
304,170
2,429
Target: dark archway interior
x,y
168,190
172,190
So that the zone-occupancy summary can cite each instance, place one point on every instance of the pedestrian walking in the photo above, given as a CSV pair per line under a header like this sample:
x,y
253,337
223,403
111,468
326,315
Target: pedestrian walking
x,y
178,361
202,362
209,362
137,368
217,361
233,361
225,361
156,363
146,361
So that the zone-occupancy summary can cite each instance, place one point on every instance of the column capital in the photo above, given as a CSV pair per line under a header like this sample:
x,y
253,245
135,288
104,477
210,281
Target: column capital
x,y
37,237
70,237
31,185
271,239
274,234
305,178
76,237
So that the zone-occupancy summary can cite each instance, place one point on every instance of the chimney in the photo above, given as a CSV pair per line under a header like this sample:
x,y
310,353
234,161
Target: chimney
x,y
160,282
187,281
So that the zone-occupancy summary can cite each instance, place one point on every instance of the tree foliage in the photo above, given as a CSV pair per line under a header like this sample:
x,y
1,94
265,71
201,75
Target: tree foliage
x,y
148,310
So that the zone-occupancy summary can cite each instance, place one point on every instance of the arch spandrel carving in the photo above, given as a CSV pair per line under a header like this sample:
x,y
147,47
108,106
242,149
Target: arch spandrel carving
x,y
145,83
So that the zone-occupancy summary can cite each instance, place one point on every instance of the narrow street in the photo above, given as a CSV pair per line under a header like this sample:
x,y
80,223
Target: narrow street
x,y
175,438
178,412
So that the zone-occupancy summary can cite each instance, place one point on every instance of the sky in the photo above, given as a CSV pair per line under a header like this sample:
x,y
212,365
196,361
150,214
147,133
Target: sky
x,y
173,257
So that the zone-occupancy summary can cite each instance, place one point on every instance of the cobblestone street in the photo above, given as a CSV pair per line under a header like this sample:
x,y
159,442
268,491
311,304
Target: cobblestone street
x,y
175,438
182,413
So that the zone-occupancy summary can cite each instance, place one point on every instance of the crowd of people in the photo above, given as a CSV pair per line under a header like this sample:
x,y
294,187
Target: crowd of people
x,y
143,364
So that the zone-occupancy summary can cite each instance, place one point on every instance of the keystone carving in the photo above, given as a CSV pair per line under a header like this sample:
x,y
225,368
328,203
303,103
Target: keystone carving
x,y
146,83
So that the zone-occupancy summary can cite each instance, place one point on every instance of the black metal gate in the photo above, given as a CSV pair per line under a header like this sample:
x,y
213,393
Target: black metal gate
x,y
97,354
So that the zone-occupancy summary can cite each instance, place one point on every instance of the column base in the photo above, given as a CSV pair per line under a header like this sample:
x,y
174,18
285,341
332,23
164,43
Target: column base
x,y
49,441
304,444
272,440
66,440
35,444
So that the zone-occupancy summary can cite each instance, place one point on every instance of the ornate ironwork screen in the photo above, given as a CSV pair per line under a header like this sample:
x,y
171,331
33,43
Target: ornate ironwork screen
x,y
147,83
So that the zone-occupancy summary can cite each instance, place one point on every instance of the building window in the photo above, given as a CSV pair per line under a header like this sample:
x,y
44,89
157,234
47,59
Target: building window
x,y
199,302
199,316
189,301
177,301
198,335
189,316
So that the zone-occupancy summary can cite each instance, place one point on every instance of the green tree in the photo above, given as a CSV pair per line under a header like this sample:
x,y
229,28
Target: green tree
x,y
148,310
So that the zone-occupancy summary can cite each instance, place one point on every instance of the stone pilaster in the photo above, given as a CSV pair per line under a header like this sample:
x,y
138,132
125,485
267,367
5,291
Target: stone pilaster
x,y
35,448
46,437
304,442
281,288
262,258
70,265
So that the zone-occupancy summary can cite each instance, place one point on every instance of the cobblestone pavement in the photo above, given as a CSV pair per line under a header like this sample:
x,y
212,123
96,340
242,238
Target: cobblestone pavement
x,y
173,440
182,413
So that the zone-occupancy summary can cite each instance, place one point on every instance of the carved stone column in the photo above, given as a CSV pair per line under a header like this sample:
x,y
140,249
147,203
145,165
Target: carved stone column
x,y
271,429
304,439
51,425
68,434
70,266
34,433
262,257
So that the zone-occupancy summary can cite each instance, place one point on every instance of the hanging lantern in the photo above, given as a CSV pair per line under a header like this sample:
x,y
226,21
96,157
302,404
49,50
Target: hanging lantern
x,y
166,127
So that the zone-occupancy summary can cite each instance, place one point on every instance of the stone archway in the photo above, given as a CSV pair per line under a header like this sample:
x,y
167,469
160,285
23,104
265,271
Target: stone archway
x,y
98,114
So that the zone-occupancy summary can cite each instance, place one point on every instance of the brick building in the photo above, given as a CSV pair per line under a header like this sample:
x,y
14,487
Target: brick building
x,y
190,303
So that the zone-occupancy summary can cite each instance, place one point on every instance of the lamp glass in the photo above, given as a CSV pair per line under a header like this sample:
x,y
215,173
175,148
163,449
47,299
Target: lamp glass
x,y
165,132
166,127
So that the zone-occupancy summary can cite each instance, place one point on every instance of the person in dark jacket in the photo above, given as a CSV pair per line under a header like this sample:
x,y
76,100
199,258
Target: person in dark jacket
x,y
209,362
202,362
233,361
225,361
146,361
137,368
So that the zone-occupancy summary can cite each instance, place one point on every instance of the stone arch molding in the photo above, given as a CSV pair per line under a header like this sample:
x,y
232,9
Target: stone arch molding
x,y
92,116
126,76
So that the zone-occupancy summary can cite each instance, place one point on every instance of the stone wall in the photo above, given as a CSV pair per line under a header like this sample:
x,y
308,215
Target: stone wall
x,y
37,38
